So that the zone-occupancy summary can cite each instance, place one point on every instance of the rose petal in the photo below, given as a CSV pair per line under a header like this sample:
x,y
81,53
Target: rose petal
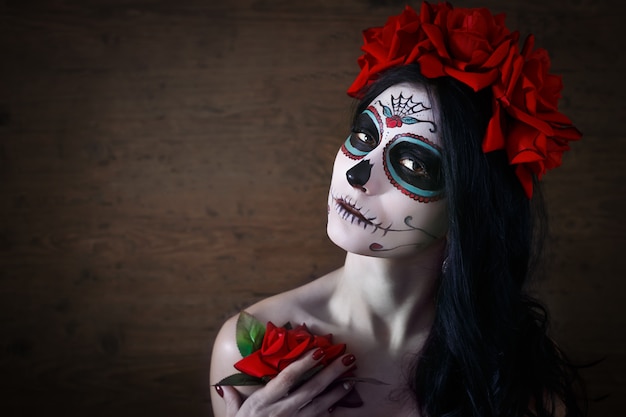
x,y
526,179
476,80
494,137
254,365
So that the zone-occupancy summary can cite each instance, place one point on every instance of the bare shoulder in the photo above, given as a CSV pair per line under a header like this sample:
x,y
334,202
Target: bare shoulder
x,y
298,305
225,351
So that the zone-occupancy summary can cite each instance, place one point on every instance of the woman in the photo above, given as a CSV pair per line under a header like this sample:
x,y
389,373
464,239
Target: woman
x,y
431,199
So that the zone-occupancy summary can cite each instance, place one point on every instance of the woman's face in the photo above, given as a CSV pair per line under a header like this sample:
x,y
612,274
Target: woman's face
x,y
386,195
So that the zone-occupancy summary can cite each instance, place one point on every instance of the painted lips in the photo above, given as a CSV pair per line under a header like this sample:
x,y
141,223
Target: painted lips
x,y
347,210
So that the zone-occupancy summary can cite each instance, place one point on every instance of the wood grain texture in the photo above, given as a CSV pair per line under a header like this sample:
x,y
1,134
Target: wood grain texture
x,y
163,164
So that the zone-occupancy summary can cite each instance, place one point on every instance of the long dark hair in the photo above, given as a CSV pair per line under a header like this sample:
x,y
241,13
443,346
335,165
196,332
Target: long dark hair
x,y
488,353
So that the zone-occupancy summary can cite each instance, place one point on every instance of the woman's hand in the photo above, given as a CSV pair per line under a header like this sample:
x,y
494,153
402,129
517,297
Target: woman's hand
x,y
282,397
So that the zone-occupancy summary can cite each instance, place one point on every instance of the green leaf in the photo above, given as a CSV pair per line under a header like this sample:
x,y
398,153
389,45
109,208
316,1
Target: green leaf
x,y
240,379
249,333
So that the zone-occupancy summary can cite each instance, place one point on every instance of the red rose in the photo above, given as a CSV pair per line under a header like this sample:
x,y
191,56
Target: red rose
x,y
467,44
537,134
470,45
396,43
282,346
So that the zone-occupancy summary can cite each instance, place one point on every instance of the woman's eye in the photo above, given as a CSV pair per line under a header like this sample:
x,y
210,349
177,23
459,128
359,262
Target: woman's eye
x,y
365,138
364,135
361,142
415,167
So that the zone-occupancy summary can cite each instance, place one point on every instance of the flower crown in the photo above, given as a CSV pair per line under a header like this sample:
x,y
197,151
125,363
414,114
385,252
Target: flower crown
x,y
475,47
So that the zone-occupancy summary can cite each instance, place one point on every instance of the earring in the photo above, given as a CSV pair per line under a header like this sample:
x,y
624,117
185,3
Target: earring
x,y
444,266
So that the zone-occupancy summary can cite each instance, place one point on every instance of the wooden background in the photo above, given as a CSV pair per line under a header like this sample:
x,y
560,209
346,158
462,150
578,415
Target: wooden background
x,y
165,163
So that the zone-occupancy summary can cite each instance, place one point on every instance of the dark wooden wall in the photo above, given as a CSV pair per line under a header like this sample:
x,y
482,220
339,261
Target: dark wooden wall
x,y
165,163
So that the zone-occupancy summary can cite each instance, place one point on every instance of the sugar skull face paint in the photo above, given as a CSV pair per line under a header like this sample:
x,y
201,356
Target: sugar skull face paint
x,y
387,190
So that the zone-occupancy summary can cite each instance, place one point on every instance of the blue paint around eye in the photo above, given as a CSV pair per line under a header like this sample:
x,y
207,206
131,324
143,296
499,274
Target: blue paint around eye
x,y
374,118
354,151
351,149
396,178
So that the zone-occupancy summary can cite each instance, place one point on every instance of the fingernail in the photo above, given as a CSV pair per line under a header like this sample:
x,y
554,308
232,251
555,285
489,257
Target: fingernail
x,y
348,360
318,354
219,391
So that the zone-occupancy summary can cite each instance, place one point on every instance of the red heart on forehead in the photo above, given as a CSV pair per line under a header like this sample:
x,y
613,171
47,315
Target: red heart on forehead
x,y
394,121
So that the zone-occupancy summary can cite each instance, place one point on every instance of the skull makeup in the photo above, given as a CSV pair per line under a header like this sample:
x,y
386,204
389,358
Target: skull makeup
x,y
387,190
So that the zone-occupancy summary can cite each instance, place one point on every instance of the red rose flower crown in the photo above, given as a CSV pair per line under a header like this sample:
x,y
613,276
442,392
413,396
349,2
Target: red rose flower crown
x,y
475,47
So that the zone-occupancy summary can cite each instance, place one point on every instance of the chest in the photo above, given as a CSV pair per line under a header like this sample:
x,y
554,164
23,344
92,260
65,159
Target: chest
x,y
392,398
380,401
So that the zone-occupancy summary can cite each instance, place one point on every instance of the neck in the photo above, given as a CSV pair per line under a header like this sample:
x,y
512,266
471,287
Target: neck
x,y
390,300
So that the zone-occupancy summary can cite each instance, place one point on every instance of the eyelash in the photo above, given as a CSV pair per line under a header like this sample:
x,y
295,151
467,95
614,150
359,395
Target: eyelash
x,y
370,139
421,167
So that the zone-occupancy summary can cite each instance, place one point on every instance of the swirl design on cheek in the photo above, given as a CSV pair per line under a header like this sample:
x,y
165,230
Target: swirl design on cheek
x,y
377,247
349,210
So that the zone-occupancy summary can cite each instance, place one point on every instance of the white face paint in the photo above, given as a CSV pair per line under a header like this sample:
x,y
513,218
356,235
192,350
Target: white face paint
x,y
386,196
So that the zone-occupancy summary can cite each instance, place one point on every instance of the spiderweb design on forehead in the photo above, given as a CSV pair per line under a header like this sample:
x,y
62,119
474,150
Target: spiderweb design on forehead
x,y
402,111
406,106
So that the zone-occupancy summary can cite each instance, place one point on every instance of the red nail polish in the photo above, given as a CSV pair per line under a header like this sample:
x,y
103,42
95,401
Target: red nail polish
x,y
318,354
219,391
348,360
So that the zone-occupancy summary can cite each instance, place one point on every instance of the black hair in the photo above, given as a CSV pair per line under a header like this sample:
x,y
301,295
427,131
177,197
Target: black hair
x,y
488,352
